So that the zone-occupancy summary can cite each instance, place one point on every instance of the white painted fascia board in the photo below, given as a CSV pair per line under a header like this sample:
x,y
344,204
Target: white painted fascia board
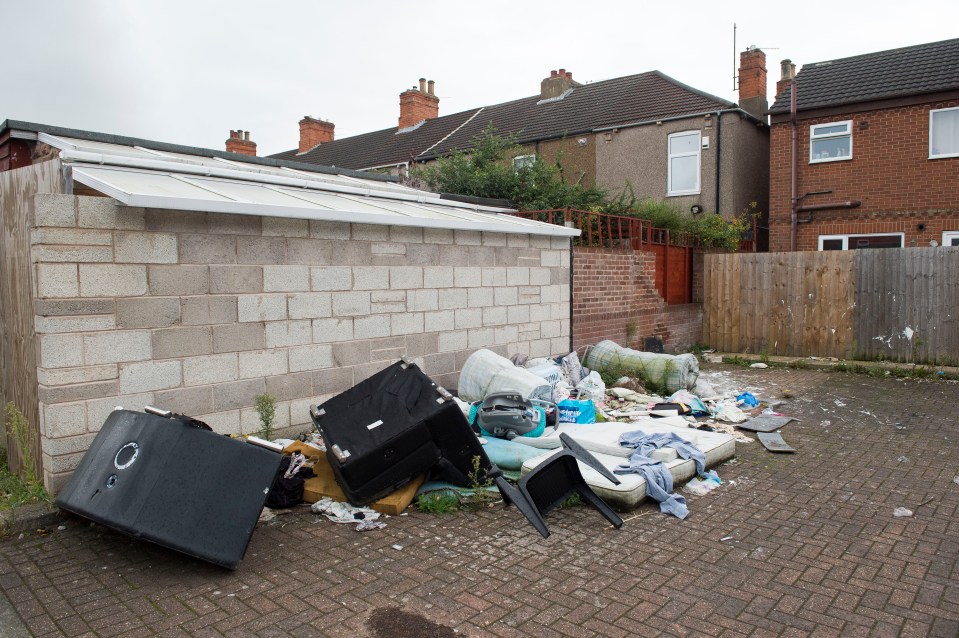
x,y
499,222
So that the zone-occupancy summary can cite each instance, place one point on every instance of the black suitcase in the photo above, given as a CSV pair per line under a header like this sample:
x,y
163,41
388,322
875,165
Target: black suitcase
x,y
391,427
170,482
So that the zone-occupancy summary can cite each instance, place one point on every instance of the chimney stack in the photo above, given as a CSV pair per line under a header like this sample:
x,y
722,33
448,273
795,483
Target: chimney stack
x,y
240,142
788,72
418,105
556,84
314,132
752,82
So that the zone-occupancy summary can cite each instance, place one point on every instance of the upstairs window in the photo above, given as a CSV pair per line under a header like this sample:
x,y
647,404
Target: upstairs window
x,y
830,142
523,161
683,169
944,133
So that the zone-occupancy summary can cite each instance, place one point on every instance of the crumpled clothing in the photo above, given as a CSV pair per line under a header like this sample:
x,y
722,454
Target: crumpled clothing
x,y
646,443
343,512
659,483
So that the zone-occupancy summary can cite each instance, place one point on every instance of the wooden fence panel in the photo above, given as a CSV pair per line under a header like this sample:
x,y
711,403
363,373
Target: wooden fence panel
x,y
790,304
908,305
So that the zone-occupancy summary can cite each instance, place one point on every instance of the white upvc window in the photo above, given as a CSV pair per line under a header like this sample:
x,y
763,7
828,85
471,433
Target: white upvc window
x,y
950,238
831,142
864,240
684,163
523,161
944,133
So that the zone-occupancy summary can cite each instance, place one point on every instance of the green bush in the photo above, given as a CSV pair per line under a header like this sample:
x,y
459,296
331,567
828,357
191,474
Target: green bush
x,y
265,406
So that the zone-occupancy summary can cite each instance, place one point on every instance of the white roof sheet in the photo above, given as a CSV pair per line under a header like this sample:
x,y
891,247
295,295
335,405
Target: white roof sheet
x,y
146,178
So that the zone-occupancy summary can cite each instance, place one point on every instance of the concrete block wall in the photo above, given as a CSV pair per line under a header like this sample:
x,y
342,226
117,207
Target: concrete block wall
x,y
201,312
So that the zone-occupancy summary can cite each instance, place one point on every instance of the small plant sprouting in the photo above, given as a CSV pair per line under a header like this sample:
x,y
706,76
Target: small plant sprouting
x,y
440,502
265,406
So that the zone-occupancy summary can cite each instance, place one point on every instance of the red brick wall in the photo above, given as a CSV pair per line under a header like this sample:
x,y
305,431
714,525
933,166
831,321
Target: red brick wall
x,y
416,106
613,290
889,172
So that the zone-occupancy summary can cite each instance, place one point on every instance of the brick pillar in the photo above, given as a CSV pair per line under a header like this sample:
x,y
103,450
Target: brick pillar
x,y
752,82
314,132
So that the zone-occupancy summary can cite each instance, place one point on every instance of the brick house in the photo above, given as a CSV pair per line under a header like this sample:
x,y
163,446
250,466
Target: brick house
x,y
667,139
136,272
877,151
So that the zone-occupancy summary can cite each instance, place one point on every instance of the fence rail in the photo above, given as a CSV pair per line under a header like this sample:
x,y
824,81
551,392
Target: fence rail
x,y
599,230
893,304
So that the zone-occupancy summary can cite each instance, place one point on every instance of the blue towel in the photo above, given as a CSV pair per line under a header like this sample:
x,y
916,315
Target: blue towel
x,y
659,483
644,444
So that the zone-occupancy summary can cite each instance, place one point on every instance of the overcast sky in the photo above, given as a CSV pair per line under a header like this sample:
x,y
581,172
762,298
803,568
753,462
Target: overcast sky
x,y
187,72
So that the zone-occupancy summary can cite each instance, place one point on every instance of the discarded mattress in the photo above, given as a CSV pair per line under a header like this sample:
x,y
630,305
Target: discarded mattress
x,y
602,440
172,483
485,373
674,372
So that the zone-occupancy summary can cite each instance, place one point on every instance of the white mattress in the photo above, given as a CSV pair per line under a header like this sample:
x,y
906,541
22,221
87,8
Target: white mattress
x,y
602,440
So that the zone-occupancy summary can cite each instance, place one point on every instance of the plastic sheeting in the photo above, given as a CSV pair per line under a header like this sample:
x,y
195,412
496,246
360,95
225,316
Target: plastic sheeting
x,y
485,372
678,372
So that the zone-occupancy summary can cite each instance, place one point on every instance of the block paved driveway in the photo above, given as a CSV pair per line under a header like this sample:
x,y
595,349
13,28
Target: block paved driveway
x,y
789,545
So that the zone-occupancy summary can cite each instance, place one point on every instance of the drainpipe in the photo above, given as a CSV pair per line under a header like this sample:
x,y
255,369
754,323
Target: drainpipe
x,y
719,147
794,199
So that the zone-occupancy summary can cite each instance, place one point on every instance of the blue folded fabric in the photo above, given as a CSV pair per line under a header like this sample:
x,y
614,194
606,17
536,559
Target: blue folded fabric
x,y
659,483
644,444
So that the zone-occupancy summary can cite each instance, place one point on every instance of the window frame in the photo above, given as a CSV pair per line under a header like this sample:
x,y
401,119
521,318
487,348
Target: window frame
x,y
813,137
845,238
699,163
947,236
940,155
522,161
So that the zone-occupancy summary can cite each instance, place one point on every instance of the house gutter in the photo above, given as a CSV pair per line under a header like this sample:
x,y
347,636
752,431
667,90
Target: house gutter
x,y
657,120
850,203
794,168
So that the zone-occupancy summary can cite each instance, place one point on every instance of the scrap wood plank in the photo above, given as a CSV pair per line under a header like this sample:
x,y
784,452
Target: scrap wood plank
x,y
324,484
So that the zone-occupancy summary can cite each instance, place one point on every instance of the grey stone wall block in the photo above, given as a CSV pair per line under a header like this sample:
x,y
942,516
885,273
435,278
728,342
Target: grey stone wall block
x,y
263,363
286,279
559,276
354,253
250,422
494,316
517,241
539,312
61,351
280,334
550,294
540,276
453,256
423,254
329,230
528,294
370,232
149,375
332,380
408,277
441,277
69,376
72,307
494,239
333,329
467,237
517,314
187,400
236,395
261,250
188,341
147,312
564,293
208,310
99,409
178,280
518,276
370,278
236,279
550,329
48,325
559,344
207,249
371,327
439,363
112,280
309,252
64,419
469,277
421,344
76,254
218,368
468,318
66,445
77,392
419,300
239,337
560,243
452,341
117,347
480,256
453,298
54,209
261,308
438,235
290,386
406,234
551,259
310,357
351,304
508,296
481,337
326,278
542,241
146,248
224,422
440,320
494,276
300,411
71,237
407,323
176,221
105,213
226,224
480,297
351,353
509,257
310,305
57,280
387,301
285,227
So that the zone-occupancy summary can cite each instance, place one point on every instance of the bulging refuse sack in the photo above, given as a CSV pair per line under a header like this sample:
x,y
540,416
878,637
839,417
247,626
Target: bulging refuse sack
x,y
677,372
485,373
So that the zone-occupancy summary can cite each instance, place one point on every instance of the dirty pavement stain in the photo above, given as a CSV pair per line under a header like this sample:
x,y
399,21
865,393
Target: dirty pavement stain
x,y
389,622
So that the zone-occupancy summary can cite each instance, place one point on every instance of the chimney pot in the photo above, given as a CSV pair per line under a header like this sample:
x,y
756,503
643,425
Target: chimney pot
x,y
562,71
553,74
422,85
430,86
556,84
246,136
569,75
